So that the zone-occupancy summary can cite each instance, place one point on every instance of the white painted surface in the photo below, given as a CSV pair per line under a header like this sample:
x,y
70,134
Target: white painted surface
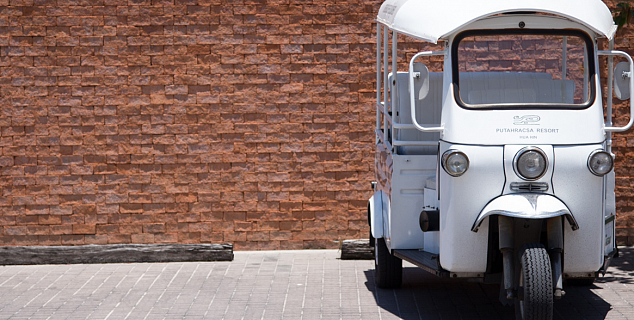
x,y
433,20
582,192
407,200
461,200
377,209
511,151
432,238
500,126
610,212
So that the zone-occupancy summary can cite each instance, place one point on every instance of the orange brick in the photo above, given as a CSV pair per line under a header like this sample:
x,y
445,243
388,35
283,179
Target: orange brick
x,y
248,124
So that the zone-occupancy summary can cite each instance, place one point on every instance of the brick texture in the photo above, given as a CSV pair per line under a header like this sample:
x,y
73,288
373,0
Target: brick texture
x,y
156,121
622,142
193,121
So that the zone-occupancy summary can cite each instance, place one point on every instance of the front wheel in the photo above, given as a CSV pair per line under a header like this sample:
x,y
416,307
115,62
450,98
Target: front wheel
x,y
535,291
388,269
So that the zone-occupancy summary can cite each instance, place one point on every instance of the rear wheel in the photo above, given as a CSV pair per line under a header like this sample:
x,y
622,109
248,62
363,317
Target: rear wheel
x,y
535,291
388,269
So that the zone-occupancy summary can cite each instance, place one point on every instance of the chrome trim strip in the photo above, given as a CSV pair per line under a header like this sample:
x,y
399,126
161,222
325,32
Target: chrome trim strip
x,y
526,206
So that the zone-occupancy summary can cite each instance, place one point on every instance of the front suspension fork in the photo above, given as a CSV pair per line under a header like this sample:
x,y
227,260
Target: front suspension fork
x,y
555,248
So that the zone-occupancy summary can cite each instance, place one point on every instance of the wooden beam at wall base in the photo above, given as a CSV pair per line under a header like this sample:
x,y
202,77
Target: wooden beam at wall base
x,y
115,253
356,249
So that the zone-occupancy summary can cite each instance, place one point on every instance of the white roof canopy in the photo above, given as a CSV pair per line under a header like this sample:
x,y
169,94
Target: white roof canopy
x,y
431,20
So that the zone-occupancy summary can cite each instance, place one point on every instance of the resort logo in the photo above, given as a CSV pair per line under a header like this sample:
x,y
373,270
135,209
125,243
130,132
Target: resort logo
x,y
526,120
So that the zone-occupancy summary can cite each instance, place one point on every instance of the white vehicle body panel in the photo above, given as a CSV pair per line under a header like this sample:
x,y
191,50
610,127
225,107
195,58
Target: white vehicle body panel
x,y
377,213
461,200
431,238
407,201
610,213
582,192
504,127
411,179
421,18
406,177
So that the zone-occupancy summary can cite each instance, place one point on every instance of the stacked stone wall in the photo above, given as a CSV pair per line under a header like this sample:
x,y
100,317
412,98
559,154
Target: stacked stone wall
x,y
195,121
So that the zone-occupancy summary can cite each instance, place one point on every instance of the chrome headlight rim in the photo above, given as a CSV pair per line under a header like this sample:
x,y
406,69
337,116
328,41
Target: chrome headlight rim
x,y
445,157
594,153
519,154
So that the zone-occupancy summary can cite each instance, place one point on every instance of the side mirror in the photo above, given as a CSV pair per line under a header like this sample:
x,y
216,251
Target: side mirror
x,y
622,75
421,80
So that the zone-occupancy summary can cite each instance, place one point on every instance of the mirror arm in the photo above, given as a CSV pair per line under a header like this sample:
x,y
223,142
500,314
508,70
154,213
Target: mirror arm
x,y
629,60
412,97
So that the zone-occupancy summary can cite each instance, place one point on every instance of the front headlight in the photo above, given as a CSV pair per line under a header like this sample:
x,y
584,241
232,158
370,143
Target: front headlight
x,y
530,163
600,162
455,162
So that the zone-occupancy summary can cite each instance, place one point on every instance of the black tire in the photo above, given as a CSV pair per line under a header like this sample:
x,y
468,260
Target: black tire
x,y
388,269
535,291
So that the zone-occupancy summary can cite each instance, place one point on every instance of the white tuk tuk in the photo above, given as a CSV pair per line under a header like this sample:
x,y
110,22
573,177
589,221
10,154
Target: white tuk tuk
x,y
498,166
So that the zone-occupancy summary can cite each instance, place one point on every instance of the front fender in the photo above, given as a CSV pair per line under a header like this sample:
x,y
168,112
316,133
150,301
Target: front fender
x,y
377,209
526,206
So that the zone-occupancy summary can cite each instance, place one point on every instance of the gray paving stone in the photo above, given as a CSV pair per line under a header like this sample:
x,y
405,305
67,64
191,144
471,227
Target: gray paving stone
x,y
279,285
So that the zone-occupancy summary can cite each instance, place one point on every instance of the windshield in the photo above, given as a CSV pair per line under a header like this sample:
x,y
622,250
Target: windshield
x,y
523,68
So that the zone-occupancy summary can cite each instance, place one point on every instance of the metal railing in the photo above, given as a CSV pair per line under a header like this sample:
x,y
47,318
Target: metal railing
x,y
385,123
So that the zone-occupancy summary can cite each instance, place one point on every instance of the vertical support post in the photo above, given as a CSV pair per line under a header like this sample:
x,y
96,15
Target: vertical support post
x,y
585,74
386,102
564,58
378,79
564,67
555,248
505,225
608,110
395,98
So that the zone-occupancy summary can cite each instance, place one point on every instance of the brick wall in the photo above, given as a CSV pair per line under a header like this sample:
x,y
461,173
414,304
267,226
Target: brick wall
x,y
149,121
623,143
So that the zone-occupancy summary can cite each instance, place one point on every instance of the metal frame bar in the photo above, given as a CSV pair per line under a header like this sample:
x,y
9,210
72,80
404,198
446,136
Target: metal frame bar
x,y
385,79
378,76
412,96
395,77
608,108
609,128
564,66
385,121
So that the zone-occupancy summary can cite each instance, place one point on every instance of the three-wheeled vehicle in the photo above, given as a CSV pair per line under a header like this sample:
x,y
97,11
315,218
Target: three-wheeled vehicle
x,y
498,166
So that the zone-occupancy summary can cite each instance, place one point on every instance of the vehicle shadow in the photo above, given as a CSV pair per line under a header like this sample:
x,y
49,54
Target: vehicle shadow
x,y
622,268
425,296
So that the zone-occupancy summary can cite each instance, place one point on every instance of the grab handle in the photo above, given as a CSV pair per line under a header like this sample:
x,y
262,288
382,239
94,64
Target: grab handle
x,y
629,59
412,96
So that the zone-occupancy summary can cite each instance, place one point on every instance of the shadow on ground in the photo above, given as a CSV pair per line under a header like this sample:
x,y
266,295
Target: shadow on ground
x,y
622,268
424,296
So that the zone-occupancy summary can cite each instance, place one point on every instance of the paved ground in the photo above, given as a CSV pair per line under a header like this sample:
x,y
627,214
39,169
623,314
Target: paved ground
x,y
275,285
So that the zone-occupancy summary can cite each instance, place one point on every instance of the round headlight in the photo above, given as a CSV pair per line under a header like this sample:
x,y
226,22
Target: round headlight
x,y
455,162
530,163
600,162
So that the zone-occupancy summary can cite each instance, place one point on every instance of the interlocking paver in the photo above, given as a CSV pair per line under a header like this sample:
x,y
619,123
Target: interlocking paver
x,y
311,284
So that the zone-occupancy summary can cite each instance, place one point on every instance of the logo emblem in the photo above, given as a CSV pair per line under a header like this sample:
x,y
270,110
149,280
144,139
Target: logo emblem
x,y
526,120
